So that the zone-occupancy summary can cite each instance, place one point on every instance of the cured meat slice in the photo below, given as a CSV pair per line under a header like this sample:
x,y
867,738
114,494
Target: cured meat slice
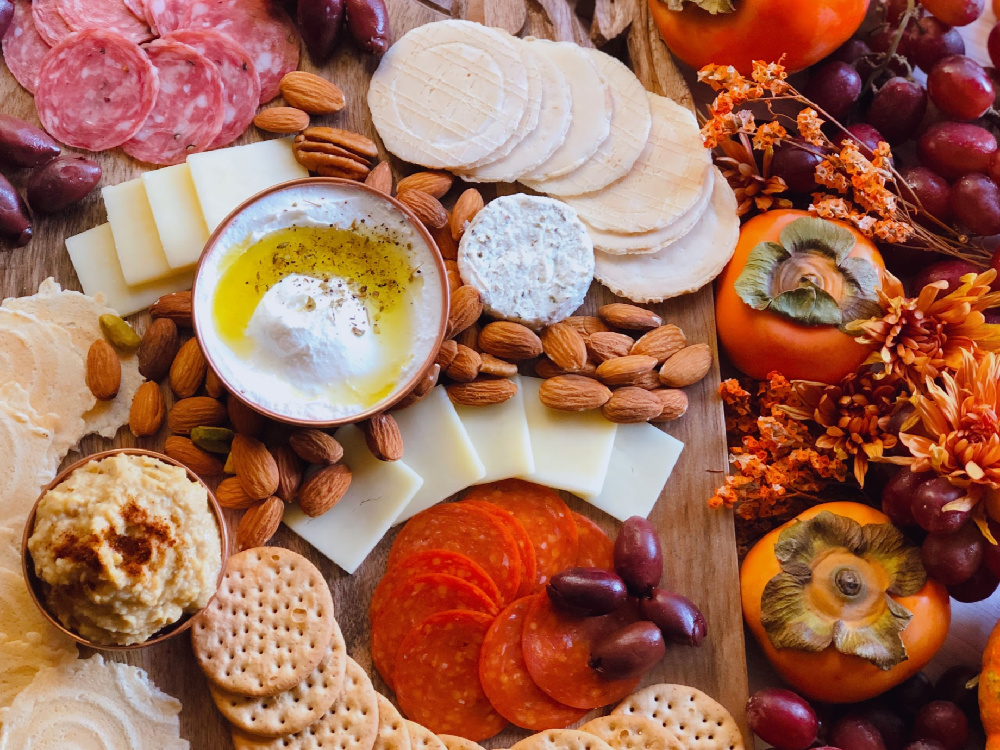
x,y
165,16
506,680
240,82
437,676
261,27
557,648
543,515
136,8
525,549
470,531
23,46
189,109
417,599
108,15
596,550
430,561
50,24
95,90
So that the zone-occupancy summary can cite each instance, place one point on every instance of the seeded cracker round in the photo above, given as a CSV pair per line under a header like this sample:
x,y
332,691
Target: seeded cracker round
x,y
392,731
530,257
269,625
632,732
698,721
562,739
422,738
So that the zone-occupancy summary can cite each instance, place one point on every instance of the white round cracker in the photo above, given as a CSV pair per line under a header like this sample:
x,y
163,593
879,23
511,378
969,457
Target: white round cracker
x,y
683,266
422,738
696,719
663,184
530,257
392,730
632,732
454,742
562,739
449,94
631,120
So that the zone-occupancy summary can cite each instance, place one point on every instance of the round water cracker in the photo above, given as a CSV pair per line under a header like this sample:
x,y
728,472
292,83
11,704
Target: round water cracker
x,y
695,719
31,457
453,742
562,739
292,710
422,738
633,732
392,731
269,625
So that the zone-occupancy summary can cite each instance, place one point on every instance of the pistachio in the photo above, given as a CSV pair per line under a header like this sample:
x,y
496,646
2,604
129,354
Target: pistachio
x,y
119,333
213,439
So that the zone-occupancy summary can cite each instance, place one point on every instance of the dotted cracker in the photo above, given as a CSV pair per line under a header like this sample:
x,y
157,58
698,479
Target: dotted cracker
x,y
392,732
561,739
632,732
697,720
422,738
453,742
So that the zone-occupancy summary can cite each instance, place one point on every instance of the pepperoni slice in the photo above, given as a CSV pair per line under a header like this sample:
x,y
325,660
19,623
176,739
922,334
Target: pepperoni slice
x,y
95,90
50,25
525,549
437,676
23,46
240,82
596,550
430,561
543,515
416,599
470,531
108,15
165,16
189,110
557,649
506,681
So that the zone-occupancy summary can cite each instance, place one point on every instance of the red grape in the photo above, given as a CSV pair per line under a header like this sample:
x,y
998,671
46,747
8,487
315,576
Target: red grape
x,y
980,586
951,271
928,506
942,721
863,134
991,552
881,38
854,733
993,44
851,51
925,745
894,10
953,149
897,109
960,87
953,685
834,87
889,724
782,718
928,41
897,497
928,190
908,696
975,201
953,558
955,12
796,165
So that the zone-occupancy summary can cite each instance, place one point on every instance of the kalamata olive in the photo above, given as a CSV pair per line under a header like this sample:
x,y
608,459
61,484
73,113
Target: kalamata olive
x,y
676,616
628,652
638,557
15,224
782,718
368,22
61,183
319,23
587,591
24,145
6,16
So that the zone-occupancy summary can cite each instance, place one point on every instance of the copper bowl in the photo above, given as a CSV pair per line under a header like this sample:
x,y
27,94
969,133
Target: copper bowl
x,y
403,388
35,585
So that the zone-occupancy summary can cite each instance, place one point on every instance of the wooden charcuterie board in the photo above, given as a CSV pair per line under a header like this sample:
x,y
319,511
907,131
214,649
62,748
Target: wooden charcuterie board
x,y
699,546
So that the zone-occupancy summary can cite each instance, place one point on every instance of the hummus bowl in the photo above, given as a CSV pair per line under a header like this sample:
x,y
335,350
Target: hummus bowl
x,y
140,556
320,302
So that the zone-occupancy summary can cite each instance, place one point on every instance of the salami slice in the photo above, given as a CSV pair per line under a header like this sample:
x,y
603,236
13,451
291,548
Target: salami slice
x,y
108,15
470,531
165,16
189,110
136,8
417,599
596,550
240,82
437,676
261,27
543,515
525,549
23,46
506,681
95,90
50,24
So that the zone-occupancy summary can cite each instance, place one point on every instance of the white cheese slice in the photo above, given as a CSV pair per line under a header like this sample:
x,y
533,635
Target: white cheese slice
x,y
572,450
642,459
500,436
436,445
140,252
96,262
226,177
177,214
348,532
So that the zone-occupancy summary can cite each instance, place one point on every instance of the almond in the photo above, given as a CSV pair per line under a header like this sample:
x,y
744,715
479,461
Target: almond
x,y
104,370
230,494
573,393
546,368
445,242
323,490
197,411
467,206
436,184
289,471
148,410
259,524
158,347
187,372
687,366
565,347
586,325
202,463
383,437
353,142
176,306
466,365
454,277
498,367
631,405
648,380
245,420
380,178
662,343
315,446
629,317
469,337
606,345
423,386
625,370
510,341
282,120
482,392
466,308
447,353
311,93
424,206
674,402
213,385
255,467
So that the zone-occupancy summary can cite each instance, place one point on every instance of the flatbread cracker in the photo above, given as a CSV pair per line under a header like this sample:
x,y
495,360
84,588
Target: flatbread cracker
x,y
392,733
633,732
422,738
31,457
561,739
697,720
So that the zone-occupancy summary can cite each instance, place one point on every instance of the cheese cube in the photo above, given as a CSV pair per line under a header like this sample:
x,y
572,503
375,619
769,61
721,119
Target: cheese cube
x,y
177,213
437,447
642,459
500,436
226,177
140,252
348,532
571,449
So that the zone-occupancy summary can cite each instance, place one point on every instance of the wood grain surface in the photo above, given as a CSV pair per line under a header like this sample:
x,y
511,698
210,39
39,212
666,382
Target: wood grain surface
x,y
699,547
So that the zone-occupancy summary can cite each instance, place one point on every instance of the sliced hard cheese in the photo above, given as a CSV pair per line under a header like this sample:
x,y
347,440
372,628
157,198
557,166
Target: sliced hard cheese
x,y
500,436
642,459
437,447
571,449
177,214
137,243
226,177
96,264
348,532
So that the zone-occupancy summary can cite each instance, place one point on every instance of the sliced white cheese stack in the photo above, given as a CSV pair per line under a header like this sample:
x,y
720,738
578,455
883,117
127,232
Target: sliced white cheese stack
x,y
501,436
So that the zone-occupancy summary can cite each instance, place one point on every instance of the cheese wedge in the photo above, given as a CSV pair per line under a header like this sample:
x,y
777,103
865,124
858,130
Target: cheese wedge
x,y
500,436
137,242
177,213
